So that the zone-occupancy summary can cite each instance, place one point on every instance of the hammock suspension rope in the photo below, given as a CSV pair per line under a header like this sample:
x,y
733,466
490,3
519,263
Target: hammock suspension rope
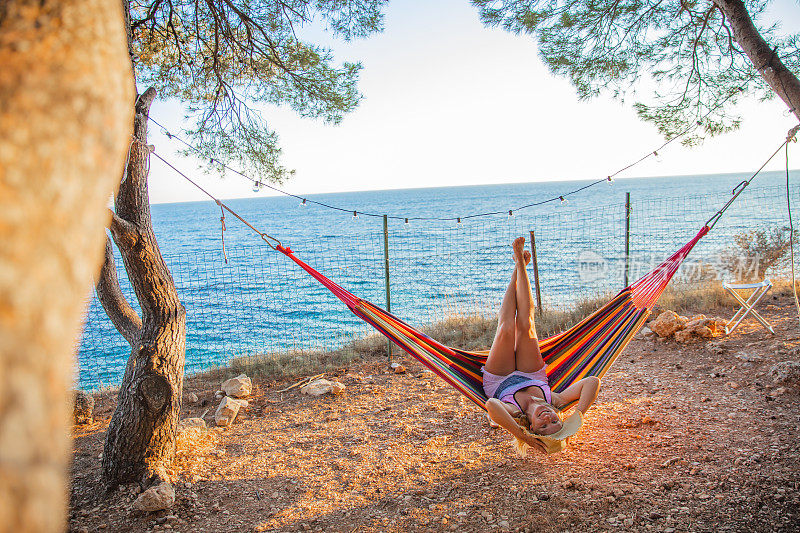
x,y
587,349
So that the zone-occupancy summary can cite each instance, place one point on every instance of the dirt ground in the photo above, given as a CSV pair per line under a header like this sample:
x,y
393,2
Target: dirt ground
x,y
683,438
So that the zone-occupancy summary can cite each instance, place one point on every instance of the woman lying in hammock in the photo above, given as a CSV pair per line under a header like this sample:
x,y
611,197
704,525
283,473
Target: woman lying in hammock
x,y
514,377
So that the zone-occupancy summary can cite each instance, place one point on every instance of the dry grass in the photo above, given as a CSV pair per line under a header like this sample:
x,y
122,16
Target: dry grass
x,y
475,332
710,299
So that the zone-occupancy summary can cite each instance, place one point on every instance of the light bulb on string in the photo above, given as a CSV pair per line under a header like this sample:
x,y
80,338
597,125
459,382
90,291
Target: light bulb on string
x,y
563,200
303,203
406,221
510,214
458,221
657,156
610,180
256,186
355,215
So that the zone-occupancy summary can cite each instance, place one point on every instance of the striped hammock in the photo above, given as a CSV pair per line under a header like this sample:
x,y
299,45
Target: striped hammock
x,y
587,349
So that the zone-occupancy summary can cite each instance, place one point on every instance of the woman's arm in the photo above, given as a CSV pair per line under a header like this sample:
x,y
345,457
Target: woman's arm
x,y
584,391
499,413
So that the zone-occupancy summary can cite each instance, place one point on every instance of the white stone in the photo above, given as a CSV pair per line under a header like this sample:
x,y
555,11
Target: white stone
x,y
238,387
318,387
227,411
192,423
155,498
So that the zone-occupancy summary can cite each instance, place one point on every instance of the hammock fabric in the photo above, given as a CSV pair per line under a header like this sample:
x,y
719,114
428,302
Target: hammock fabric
x,y
587,349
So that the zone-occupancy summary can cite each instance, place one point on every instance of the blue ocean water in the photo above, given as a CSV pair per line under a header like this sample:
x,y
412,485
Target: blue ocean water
x,y
260,303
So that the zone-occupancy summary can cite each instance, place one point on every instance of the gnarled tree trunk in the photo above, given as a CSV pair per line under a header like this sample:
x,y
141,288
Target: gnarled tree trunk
x,y
140,441
766,60
65,122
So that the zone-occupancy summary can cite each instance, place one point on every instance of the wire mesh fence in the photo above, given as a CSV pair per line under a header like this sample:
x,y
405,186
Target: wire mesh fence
x,y
259,304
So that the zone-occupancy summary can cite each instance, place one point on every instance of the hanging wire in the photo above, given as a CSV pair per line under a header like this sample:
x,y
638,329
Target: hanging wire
x,y
271,241
557,198
222,221
711,222
791,136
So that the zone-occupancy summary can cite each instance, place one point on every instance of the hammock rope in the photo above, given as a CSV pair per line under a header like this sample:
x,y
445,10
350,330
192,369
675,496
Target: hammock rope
x,y
587,349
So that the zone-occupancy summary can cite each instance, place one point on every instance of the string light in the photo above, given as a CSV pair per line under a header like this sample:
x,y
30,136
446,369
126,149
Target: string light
x,y
406,221
657,156
303,203
256,186
610,179
563,200
510,213
458,221
355,214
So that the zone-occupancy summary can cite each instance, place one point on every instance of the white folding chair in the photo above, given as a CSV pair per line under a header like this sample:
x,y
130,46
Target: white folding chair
x,y
759,290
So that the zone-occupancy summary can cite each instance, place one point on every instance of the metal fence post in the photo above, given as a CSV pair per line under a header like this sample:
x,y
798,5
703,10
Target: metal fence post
x,y
386,275
627,236
536,272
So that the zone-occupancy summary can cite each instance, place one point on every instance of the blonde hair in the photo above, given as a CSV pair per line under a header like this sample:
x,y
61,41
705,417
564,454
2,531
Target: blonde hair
x,y
520,446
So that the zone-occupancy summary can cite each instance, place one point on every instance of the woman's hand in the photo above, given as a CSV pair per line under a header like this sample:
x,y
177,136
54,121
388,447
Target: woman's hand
x,y
499,413
584,392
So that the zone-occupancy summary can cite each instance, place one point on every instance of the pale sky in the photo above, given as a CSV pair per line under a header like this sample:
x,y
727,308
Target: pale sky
x,y
449,102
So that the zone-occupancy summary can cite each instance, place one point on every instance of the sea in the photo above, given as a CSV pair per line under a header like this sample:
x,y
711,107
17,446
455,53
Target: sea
x,y
247,299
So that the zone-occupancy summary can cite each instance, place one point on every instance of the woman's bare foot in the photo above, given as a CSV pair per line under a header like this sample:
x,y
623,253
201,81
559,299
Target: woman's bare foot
x,y
519,247
526,256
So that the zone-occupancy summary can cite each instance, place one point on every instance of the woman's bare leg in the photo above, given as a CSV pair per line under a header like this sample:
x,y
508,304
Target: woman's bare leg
x,y
528,356
501,360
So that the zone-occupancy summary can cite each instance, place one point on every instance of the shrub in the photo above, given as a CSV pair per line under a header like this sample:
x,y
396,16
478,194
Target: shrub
x,y
757,251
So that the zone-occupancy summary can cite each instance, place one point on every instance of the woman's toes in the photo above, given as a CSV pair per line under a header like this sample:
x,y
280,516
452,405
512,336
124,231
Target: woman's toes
x,y
526,256
518,245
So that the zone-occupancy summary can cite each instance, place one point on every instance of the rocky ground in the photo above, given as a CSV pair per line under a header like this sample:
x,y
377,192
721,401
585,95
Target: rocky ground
x,y
694,437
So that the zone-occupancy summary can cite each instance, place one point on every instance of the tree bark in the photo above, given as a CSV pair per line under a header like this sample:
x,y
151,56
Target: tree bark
x,y
65,123
140,442
766,60
122,315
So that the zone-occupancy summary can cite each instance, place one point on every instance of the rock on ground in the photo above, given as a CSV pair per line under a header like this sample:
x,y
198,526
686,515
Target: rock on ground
x,y
786,373
84,407
155,498
238,387
684,329
667,324
319,387
192,423
227,411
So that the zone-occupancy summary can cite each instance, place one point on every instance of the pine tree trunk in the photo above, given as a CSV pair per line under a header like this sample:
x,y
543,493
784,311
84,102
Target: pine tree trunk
x,y
65,123
140,442
766,60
